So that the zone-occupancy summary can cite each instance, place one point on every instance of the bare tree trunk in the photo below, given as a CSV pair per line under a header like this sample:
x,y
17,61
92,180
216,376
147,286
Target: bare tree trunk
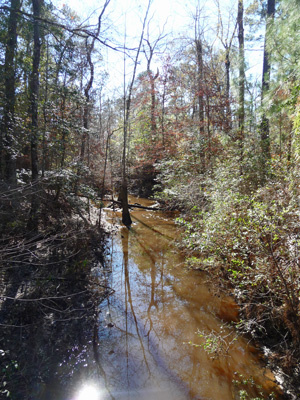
x,y
241,110
199,53
34,89
264,126
209,147
198,40
34,102
86,111
153,101
64,131
44,147
126,219
163,112
149,52
152,79
123,196
107,152
8,124
226,40
227,94
62,151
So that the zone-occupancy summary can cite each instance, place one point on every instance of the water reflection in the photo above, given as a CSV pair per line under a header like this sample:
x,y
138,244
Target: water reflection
x,y
128,300
157,307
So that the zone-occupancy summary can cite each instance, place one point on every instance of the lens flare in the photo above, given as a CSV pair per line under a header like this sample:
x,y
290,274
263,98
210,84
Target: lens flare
x,y
89,392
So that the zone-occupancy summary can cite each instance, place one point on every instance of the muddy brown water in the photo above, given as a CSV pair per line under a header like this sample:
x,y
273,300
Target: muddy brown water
x,y
146,341
148,338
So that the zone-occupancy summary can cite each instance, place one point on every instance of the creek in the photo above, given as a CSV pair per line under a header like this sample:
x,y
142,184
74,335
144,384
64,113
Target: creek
x,y
149,346
135,325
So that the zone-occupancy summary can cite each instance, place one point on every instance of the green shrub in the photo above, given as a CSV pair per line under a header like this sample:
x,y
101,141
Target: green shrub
x,y
254,240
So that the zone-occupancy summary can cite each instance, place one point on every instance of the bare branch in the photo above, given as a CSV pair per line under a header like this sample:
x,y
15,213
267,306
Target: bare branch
x,y
80,31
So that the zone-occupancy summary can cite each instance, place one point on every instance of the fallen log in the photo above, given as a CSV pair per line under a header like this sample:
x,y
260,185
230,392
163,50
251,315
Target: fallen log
x,y
137,206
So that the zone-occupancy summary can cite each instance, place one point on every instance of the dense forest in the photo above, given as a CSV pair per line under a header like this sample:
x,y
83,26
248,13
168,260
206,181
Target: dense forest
x,y
188,125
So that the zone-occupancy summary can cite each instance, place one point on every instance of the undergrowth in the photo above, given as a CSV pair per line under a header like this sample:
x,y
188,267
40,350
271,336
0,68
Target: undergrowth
x,y
250,238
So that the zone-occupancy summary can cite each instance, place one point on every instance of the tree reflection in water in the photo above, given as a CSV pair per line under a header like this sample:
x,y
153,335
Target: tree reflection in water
x,y
156,308
128,298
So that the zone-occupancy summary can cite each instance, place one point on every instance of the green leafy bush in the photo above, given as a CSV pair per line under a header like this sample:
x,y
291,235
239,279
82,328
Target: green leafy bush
x,y
254,239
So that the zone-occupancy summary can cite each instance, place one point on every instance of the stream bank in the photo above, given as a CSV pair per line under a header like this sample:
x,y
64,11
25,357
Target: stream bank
x,y
48,302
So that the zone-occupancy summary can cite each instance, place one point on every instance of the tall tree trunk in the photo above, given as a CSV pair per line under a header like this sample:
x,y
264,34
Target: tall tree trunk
x,y
126,219
163,112
227,93
62,151
149,52
34,102
86,109
64,130
226,40
8,124
45,106
34,89
153,101
264,126
199,54
209,136
123,197
227,68
241,109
